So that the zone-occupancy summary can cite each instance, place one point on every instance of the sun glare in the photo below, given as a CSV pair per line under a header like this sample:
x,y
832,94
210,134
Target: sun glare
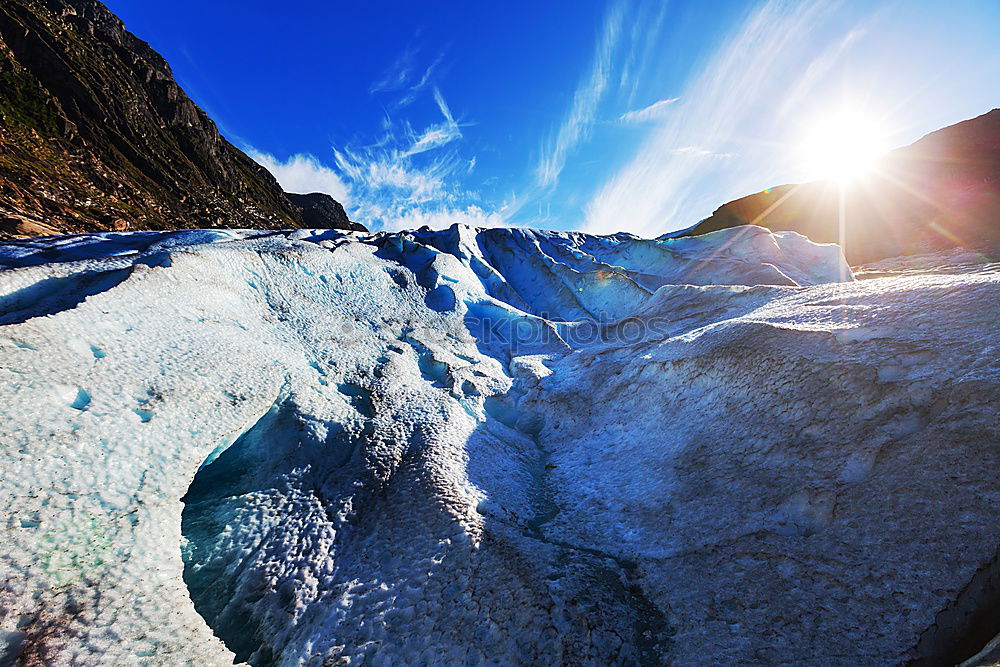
x,y
843,146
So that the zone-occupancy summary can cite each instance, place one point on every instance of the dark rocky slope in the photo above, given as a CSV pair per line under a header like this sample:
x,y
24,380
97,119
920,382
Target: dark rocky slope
x,y
96,135
321,211
941,191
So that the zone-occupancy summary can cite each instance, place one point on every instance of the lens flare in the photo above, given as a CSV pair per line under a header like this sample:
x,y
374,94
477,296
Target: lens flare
x,y
843,146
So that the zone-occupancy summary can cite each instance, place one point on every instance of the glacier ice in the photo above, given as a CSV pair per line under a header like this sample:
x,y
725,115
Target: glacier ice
x,y
477,446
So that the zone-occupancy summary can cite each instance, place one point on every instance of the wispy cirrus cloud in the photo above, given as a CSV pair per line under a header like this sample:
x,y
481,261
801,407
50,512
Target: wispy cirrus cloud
x,y
822,66
643,40
439,134
719,115
421,84
388,175
586,100
405,179
405,79
393,191
383,187
397,74
654,111
409,178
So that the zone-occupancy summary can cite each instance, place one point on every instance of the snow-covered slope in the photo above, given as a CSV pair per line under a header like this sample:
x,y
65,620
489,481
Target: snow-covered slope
x,y
489,446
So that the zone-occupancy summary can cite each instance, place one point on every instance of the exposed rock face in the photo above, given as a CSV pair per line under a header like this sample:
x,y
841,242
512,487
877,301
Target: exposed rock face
x,y
939,192
321,211
95,134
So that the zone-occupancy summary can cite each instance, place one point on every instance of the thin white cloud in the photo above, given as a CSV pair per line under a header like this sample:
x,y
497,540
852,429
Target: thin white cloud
x,y
397,74
443,106
721,109
420,85
820,68
386,171
389,174
439,134
699,152
384,188
398,183
585,102
406,178
643,39
303,173
434,137
404,79
654,111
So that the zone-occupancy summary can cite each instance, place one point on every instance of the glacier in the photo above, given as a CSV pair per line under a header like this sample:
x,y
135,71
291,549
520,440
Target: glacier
x,y
494,446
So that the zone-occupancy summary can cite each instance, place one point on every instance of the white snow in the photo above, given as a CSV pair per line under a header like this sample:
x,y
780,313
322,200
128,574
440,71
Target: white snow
x,y
492,446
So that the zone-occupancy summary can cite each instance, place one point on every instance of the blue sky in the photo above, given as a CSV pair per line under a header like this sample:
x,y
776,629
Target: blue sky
x,y
594,116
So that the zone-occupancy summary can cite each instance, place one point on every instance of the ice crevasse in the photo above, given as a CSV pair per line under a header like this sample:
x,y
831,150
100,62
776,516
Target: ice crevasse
x,y
496,446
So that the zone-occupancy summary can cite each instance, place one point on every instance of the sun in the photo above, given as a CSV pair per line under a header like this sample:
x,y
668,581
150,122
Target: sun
x,y
843,146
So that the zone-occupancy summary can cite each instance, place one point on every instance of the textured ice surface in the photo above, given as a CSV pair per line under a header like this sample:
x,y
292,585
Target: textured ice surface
x,y
487,446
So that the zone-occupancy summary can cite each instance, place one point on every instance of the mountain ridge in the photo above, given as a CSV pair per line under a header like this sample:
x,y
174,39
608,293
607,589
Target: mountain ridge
x,y
321,211
96,135
941,191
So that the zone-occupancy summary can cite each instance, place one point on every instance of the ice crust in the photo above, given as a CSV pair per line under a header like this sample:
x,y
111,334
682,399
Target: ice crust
x,y
492,446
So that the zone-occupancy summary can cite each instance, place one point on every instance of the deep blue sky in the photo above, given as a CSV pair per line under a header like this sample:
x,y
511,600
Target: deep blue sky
x,y
568,115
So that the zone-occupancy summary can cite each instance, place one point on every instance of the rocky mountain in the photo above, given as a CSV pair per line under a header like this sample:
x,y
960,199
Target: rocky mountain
x,y
939,192
321,211
96,135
